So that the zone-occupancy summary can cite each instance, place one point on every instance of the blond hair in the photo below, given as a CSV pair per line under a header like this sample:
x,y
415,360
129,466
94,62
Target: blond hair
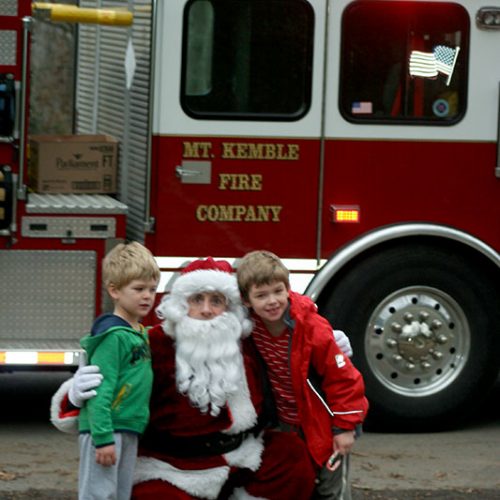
x,y
260,267
127,262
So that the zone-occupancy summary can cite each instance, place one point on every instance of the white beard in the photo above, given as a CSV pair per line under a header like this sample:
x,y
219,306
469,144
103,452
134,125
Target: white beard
x,y
209,364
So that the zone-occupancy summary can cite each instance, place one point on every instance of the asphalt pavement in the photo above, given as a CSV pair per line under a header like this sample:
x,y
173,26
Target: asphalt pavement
x,y
38,462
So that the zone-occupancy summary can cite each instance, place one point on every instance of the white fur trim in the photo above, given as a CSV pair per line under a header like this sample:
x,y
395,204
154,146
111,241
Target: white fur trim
x,y
242,410
205,483
248,455
242,494
206,280
64,424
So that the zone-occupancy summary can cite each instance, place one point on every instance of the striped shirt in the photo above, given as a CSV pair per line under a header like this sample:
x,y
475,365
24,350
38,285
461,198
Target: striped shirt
x,y
274,351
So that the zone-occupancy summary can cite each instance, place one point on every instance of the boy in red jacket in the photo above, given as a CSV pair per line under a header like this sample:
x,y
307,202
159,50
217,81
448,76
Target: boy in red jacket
x,y
318,393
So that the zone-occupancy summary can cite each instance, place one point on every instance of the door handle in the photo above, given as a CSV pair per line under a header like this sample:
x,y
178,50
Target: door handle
x,y
194,172
185,172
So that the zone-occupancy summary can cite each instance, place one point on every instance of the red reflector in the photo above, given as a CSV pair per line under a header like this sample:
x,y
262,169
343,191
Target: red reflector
x,y
345,213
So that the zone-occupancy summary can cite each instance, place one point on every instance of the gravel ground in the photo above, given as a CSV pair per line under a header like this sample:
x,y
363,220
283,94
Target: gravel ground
x,y
38,462
470,494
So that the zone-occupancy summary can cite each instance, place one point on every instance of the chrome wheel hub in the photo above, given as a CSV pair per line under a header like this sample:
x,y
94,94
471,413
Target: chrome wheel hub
x,y
417,341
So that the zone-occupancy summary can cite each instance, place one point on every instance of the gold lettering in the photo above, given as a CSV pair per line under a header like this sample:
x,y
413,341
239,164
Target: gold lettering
x,y
260,151
276,209
254,151
270,151
255,182
241,150
213,213
250,215
224,180
240,182
263,213
238,213
201,213
225,213
227,150
196,149
293,151
244,185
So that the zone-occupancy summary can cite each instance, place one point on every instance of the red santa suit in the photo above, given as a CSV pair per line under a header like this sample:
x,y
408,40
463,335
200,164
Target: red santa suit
x,y
274,465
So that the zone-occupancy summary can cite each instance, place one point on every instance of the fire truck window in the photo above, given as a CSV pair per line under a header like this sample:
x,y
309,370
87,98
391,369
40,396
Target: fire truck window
x,y
247,60
404,62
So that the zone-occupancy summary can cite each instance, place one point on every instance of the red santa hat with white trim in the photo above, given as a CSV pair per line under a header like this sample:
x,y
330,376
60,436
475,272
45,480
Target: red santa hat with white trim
x,y
203,275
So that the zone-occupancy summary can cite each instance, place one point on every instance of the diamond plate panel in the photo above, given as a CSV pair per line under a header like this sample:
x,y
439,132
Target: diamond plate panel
x,y
46,295
8,47
8,7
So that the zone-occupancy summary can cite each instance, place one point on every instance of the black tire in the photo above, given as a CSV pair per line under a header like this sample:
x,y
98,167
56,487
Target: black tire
x,y
423,324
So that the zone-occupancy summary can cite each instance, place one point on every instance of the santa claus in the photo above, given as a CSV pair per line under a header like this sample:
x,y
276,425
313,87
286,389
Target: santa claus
x,y
207,435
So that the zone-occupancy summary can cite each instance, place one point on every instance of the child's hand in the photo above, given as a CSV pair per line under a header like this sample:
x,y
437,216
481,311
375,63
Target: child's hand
x,y
106,455
343,442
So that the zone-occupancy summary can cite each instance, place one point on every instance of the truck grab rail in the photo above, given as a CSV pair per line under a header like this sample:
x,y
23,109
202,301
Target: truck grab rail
x,y
72,14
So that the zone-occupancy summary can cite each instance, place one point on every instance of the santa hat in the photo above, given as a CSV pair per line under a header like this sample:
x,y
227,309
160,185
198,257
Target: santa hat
x,y
203,275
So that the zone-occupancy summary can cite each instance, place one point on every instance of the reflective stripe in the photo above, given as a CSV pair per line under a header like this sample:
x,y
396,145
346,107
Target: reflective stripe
x,y
38,357
320,398
332,414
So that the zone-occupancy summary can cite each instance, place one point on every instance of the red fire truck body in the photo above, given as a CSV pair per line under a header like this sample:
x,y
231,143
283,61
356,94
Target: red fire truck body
x,y
355,139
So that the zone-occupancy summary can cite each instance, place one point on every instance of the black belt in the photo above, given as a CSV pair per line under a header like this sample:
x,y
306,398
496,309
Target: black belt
x,y
206,445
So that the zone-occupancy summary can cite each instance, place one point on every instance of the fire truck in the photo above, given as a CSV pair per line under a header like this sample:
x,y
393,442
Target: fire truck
x,y
356,139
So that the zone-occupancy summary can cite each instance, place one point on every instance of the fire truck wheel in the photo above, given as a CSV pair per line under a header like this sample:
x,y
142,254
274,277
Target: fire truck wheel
x,y
423,323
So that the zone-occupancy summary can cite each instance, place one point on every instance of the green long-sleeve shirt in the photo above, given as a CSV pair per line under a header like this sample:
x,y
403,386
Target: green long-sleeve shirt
x,y
122,401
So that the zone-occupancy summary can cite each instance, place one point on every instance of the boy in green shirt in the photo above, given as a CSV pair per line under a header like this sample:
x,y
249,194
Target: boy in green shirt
x,y
111,422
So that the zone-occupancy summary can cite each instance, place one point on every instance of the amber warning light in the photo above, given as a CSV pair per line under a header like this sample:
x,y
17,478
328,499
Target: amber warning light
x,y
345,213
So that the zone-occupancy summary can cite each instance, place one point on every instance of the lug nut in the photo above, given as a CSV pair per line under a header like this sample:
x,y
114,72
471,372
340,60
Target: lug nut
x,y
408,317
396,328
436,324
423,316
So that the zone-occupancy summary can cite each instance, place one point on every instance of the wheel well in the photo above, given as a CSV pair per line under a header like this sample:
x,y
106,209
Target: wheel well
x,y
478,262
432,263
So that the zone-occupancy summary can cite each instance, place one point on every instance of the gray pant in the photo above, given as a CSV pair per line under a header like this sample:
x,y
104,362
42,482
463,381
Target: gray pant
x,y
329,485
97,482
333,485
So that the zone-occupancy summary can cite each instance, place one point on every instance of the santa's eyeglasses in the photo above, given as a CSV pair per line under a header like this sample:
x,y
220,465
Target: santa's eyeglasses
x,y
214,300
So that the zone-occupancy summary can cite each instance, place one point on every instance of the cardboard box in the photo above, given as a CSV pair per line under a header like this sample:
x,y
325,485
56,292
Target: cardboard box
x,y
73,164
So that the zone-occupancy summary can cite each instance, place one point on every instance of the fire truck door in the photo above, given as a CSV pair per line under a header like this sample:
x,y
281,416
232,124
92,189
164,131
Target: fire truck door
x,y
237,144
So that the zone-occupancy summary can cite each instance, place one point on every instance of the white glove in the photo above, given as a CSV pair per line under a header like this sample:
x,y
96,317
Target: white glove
x,y
85,380
342,341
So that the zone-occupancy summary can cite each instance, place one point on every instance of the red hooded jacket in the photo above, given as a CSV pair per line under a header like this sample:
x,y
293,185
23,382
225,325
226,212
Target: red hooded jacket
x,y
329,390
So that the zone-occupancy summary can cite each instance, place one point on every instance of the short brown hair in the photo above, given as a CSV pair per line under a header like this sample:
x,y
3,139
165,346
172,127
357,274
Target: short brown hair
x,y
260,267
127,262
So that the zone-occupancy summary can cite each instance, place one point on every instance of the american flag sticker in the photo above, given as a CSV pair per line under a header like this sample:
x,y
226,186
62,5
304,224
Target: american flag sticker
x,y
428,64
423,64
362,108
